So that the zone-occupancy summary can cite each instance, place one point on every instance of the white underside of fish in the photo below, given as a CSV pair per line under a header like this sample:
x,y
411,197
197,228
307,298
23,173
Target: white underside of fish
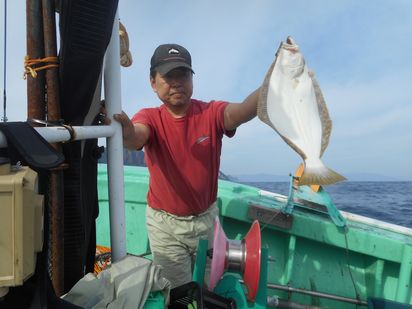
x,y
292,103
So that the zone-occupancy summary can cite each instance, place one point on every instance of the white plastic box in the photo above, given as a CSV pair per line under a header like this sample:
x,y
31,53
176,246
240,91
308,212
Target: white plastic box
x,y
21,225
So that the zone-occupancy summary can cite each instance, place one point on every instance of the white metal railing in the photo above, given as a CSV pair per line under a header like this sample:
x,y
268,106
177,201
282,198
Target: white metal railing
x,y
61,134
112,89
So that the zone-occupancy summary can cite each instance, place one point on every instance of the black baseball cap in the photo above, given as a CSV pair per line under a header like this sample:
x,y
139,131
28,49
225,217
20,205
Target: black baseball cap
x,y
167,57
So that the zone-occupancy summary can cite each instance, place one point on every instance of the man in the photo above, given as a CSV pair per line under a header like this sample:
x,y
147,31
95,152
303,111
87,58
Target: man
x,y
182,140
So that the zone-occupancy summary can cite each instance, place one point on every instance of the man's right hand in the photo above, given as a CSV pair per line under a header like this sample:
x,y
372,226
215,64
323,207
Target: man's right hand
x,y
127,125
135,136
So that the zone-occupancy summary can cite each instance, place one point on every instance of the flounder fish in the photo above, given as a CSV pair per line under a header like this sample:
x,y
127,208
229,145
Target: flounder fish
x,y
292,103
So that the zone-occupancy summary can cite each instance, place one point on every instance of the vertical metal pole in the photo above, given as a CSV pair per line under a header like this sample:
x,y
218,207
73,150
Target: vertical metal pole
x,y
50,50
56,195
112,91
35,86
5,64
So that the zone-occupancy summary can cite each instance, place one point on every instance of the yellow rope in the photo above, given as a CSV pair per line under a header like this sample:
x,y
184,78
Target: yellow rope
x,y
30,65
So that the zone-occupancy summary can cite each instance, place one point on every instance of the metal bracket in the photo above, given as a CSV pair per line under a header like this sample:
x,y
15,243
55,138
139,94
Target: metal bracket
x,y
320,201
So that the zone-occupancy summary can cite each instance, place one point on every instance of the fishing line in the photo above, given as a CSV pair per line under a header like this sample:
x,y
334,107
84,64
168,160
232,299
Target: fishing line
x,y
346,251
4,118
269,221
347,263
273,217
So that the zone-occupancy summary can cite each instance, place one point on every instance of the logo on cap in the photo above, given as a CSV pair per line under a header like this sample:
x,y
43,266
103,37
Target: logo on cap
x,y
174,51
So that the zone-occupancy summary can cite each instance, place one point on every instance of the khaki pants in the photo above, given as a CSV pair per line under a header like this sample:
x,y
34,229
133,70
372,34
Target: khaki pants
x,y
173,241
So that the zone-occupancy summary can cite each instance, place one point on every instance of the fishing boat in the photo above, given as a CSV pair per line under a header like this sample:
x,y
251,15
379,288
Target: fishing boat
x,y
306,253
317,256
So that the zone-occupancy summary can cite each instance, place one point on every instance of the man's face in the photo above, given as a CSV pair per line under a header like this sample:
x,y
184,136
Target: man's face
x,y
175,88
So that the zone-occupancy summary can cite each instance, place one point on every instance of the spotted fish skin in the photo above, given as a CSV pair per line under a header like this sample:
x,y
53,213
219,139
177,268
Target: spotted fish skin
x,y
292,103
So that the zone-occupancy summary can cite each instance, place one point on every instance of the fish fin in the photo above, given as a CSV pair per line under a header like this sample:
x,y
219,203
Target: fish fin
x,y
323,113
298,174
262,112
319,176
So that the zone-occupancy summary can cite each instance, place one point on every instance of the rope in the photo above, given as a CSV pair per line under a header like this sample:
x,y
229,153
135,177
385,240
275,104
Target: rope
x,y
126,59
71,131
30,65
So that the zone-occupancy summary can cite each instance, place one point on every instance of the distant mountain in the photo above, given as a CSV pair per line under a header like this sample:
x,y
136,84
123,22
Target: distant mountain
x,y
260,178
277,178
369,177
136,158
130,157
223,176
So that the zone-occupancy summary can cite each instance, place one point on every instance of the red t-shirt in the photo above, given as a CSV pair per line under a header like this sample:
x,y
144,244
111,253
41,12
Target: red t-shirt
x,y
183,156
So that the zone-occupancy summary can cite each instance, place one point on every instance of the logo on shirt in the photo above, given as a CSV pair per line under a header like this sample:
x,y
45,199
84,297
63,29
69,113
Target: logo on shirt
x,y
201,139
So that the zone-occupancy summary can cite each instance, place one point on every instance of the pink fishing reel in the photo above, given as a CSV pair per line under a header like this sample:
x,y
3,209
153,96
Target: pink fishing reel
x,y
242,256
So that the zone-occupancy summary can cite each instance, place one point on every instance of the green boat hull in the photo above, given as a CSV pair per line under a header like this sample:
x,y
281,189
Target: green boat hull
x,y
365,259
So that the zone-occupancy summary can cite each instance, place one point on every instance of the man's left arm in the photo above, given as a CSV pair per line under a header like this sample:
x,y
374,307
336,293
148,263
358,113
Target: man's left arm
x,y
238,113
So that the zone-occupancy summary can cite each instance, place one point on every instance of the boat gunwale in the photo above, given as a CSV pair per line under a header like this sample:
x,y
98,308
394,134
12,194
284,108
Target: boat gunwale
x,y
399,229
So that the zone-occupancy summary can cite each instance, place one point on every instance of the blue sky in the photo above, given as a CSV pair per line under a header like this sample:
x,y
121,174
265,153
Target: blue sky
x,y
359,50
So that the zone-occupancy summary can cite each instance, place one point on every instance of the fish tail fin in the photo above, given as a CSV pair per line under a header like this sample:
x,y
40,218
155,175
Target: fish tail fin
x,y
319,175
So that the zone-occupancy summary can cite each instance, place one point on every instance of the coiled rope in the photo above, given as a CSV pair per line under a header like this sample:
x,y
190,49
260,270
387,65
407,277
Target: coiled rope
x,y
32,66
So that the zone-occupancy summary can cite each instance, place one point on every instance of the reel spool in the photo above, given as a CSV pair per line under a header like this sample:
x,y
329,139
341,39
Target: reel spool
x,y
242,256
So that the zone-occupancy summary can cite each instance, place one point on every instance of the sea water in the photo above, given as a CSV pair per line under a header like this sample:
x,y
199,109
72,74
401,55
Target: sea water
x,y
389,201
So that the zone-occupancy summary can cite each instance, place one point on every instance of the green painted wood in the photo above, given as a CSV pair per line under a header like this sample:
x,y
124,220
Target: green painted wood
x,y
287,273
136,186
262,295
200,265
405,271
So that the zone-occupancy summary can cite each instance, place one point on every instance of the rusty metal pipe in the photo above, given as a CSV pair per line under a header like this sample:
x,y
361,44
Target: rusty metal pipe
x,y
57,230
50,50
35,49
56,175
